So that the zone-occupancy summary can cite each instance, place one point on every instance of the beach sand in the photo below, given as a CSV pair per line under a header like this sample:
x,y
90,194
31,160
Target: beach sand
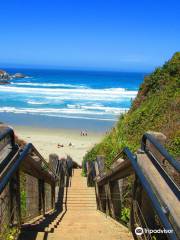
x,y
46,141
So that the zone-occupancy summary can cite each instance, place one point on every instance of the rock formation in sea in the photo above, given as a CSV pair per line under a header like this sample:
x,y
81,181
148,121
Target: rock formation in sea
x,y
5,77
18,75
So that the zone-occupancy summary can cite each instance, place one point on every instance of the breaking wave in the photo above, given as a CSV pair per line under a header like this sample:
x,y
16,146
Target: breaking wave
x,y
48,85
110,94
83,113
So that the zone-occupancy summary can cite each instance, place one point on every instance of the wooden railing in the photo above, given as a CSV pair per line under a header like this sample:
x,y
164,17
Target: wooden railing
x,y
133,190
29,186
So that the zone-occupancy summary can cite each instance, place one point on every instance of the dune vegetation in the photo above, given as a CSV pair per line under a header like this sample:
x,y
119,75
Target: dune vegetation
x,y
156,108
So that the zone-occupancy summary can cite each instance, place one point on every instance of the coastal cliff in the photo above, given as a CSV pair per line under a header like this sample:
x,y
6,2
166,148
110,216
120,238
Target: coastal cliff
x,y
156,108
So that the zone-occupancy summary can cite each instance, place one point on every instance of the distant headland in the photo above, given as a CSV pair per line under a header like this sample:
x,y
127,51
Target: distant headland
x,y
5,77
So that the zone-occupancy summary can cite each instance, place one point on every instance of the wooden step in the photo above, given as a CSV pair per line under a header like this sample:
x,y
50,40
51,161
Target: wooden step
x,y
80,219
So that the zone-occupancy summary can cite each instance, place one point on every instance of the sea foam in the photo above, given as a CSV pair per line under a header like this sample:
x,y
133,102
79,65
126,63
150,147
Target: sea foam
x,y
73,98
110,94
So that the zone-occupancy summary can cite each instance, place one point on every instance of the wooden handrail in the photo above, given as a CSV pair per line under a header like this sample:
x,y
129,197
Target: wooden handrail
x,y
130,166
123,170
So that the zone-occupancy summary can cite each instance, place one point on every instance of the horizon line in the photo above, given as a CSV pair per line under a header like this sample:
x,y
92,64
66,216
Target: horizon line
x,y
84,69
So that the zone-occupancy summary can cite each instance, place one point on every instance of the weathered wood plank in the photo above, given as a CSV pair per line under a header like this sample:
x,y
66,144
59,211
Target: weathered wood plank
x,y
160,186
34,168
99,204
109,197
124,169
100,162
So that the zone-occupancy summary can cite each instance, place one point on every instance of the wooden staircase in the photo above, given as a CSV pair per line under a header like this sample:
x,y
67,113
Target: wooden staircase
x,y
80,220
80,197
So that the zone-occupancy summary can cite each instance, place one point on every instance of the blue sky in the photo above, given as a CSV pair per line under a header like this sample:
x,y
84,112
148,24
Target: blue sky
x,y
98,34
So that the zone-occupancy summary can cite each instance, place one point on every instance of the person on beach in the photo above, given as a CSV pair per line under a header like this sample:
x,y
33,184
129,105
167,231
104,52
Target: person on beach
x,y
60,145
84,133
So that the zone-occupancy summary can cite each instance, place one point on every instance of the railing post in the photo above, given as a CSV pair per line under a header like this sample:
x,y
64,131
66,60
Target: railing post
x,y
18,197
53,161
11,194
107,201
109,197
116,192
161,138
53,195
62,174
15,204
100,163
99,204
96,168
88,173
43,197
40,196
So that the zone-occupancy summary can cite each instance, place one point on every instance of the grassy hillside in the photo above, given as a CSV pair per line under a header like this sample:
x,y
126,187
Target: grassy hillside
x,y
156,107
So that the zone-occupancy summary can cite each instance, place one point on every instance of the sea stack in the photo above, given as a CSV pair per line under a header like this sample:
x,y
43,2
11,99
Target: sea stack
x,y
19,75
4,77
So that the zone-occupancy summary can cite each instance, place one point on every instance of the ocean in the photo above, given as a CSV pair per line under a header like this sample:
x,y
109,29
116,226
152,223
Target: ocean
x,y
62,97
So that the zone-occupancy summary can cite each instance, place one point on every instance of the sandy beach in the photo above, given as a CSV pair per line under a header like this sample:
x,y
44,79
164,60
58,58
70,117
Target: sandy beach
x,y
47,140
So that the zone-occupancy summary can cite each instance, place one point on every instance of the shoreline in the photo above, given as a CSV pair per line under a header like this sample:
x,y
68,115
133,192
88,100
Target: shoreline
x,y
41,121
46,141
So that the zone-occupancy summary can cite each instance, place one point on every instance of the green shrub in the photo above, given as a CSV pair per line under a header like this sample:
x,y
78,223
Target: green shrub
x,y
156,108
125,215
